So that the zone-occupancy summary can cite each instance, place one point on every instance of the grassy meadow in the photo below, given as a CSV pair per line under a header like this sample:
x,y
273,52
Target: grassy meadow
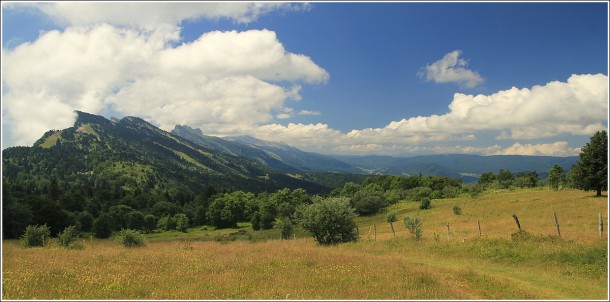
x,y
256,265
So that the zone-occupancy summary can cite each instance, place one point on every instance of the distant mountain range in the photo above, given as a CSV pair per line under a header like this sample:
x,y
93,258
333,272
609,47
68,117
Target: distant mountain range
x,y
468,167
185,156
290,159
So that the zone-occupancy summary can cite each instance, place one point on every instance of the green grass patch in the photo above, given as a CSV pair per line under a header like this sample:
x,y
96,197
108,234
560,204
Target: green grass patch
x,y
51,140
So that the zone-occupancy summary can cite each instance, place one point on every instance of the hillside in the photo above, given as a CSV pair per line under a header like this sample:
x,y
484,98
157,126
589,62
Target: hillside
x,y
134,154
277,156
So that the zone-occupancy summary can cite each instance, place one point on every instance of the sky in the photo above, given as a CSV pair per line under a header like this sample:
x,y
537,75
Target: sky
x,y
393,78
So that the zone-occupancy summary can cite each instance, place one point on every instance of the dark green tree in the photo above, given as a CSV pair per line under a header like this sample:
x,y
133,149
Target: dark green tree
x,y
84,221
102,226
591,170
150,223
556,176
486,179
331,221
120,216
368,202
505,179
135,220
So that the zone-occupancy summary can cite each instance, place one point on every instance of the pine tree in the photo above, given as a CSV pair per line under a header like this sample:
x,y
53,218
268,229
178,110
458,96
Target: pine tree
x,y
591,170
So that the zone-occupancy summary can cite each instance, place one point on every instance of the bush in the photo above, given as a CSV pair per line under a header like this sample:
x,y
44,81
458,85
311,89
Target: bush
x,y
414,225
368,202
166,223
286,228
457,210
330,221
35,235
425,204
182,222
130,238
69,235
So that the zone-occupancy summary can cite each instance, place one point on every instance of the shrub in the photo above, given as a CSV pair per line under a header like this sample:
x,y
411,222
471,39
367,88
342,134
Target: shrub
x,y
425,204
419,193
286,228
368,202
414,225
457,210
330,221
130,238
182,222
166,223
69,235
35,235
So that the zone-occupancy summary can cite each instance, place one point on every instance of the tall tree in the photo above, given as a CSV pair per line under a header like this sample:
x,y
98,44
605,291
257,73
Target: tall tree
x,y
556,176
591,170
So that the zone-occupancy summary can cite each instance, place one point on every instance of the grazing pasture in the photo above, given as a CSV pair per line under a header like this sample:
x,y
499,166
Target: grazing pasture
x,y
461,265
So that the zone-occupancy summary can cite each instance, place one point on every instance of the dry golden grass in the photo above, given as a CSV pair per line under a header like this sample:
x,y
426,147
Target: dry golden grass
x,y
577,212
389,268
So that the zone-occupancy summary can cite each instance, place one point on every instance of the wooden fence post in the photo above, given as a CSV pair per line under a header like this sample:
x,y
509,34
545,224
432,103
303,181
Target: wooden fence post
x,y
557,224
448,231
517,221
479,227
601,225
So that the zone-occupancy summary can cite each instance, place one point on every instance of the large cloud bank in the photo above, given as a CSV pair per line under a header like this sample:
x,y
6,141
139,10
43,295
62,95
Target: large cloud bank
x,y
129,59
577,106
225,82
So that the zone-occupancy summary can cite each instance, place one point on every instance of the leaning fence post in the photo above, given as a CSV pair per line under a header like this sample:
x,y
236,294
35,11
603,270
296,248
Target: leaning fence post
x,y
517,221
448,231
479,227
557,224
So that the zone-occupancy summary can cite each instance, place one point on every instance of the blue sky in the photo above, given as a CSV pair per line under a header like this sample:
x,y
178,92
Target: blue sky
x,y
336,78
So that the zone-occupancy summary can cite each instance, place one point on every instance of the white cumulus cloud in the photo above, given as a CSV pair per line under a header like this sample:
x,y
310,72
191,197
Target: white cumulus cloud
x,y
151,14
451,69
223,82
576,107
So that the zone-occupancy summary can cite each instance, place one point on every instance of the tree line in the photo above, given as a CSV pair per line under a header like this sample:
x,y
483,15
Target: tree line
x,y
109,209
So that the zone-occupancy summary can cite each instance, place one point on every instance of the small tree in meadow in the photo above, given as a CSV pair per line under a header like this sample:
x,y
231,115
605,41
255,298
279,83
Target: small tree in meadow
x,y
69,235
35,235
425,204
390,218
130,238
414,225
286,228
331,221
